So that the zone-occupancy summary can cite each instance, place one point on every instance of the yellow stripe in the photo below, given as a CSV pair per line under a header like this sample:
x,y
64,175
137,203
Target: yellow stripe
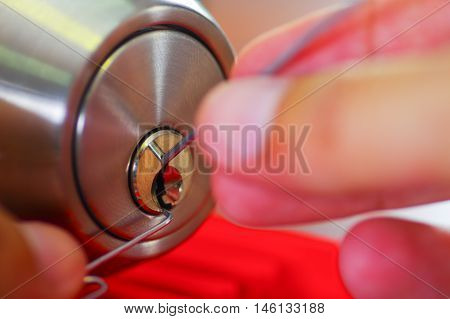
x,y
56,22
28,65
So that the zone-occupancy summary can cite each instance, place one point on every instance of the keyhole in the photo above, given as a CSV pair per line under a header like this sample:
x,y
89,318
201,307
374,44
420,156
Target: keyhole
x,y
168,187
160,170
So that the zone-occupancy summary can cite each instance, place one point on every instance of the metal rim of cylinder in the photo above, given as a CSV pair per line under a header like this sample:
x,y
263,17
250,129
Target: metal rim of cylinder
x,y
194,24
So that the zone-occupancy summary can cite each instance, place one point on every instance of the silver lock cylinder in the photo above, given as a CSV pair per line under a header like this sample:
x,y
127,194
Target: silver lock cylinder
x,y
85,88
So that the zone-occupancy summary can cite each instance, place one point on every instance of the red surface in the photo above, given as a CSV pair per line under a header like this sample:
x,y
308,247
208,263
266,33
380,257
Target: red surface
x,y
222,260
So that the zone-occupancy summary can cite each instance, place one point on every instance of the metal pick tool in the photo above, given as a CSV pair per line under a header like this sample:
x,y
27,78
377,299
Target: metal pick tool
x,y
100,282
309,37
164,158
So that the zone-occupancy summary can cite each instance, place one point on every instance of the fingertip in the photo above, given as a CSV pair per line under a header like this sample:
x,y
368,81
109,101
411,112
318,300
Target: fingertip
x,y
243,101
235,201
59,260
392,258
232,119
210,105
252,201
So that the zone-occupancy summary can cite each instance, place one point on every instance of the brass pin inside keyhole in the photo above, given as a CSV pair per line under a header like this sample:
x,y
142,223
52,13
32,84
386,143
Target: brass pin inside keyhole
x,y
168,187
156,184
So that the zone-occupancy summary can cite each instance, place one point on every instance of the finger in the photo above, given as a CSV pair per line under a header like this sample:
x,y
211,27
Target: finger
x,y
391,258
38,261
377,140
378,28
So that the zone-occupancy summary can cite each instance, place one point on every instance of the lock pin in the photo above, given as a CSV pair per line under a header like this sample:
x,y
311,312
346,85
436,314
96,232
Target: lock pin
x,y
160,171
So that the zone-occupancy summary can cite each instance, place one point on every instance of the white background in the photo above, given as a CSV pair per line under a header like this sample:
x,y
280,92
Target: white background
x,y
112,309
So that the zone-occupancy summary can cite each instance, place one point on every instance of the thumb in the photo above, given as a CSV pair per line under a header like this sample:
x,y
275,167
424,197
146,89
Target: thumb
x,y
38,261
376,140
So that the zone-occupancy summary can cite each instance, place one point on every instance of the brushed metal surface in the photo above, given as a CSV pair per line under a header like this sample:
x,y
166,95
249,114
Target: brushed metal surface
x,y
50,50
163,75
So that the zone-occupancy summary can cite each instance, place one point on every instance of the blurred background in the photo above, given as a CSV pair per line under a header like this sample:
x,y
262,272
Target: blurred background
x,y
243,21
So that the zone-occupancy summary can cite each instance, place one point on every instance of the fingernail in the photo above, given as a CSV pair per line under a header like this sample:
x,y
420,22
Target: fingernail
x,y
232,121
59,260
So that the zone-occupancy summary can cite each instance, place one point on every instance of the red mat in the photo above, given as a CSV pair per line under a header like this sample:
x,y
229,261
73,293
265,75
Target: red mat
x,y
222,260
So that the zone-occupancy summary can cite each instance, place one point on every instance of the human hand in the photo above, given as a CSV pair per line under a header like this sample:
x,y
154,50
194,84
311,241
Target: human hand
x,y
373,95
38,260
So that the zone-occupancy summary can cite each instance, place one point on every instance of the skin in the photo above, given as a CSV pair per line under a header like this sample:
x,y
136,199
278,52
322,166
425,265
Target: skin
x,y
378,139
373,145
27,250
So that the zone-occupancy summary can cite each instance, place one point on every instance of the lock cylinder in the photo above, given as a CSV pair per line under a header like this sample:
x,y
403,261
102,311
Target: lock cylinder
x,y
92,98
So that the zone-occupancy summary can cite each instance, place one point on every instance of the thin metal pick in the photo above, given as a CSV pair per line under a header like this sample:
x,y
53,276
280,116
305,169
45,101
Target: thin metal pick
x,y
309,37
168,217
100,282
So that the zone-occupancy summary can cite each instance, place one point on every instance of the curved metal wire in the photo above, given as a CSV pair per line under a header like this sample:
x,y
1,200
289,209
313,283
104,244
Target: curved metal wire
x,y
96,280
99,282
309,37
